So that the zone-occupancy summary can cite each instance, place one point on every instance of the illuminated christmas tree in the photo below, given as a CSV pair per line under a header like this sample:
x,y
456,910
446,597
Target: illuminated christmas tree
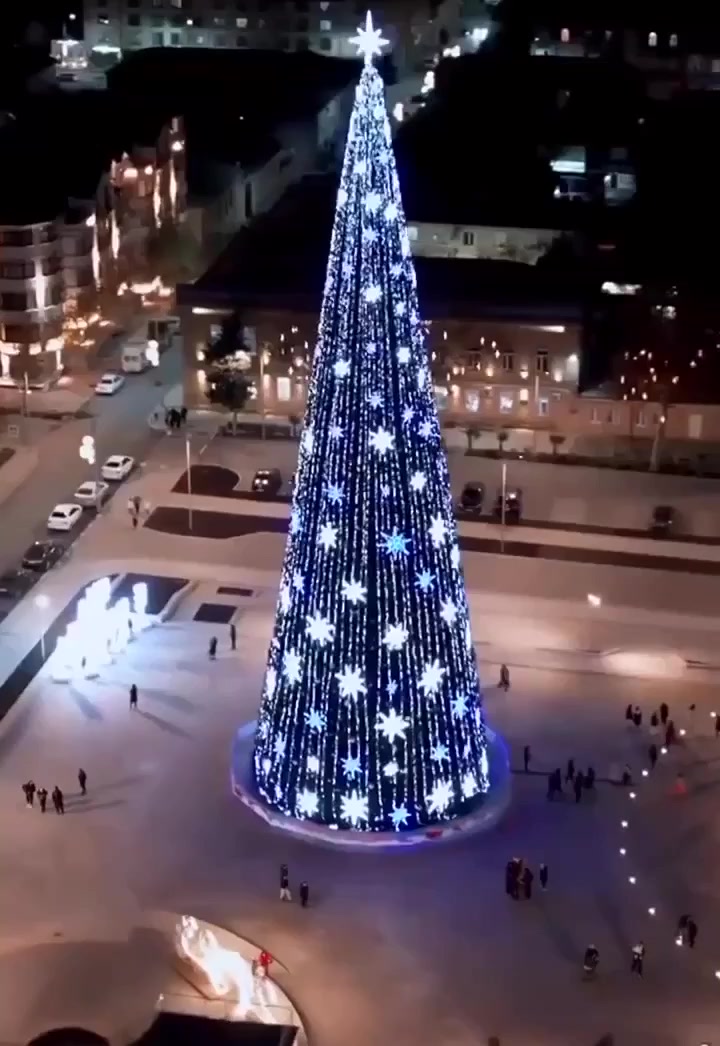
x,y
370,718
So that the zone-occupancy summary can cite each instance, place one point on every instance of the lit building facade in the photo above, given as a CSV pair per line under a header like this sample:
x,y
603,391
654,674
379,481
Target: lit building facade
x,y
317,25
59,279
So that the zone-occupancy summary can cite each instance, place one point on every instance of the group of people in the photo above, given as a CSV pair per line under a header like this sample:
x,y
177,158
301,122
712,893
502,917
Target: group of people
x,y
519,878
175,418
213,644
286,895
30,791
659,720
579,782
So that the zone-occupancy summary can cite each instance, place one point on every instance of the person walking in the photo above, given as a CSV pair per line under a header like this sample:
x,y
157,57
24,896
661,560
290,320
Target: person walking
x,y
527,881
637,716
82,781
626,779
629,713
664,713
42,798
262,965
58,800
682,929
212,648
638,958
526,757
551,785
652,756
654,721
578,785
504,683
570,771
304,894
233,637
670,735
691,932
511,879
543,876
558,780
285,894
133,697
590,779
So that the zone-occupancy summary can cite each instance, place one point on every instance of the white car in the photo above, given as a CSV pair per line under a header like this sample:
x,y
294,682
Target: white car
x,y
109,383
117,467
92,492
64,517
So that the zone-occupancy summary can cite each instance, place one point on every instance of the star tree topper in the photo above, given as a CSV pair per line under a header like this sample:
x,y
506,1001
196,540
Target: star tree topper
x,y
369,40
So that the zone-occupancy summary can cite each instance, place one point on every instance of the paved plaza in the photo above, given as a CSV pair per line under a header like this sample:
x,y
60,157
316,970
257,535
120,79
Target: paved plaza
x,y
398,947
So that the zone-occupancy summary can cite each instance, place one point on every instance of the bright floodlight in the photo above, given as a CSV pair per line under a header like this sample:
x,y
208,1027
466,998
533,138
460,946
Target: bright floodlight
x,y
593,600
369,41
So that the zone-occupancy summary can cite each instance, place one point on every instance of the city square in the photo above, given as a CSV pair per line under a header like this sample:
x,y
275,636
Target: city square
x,y
397,943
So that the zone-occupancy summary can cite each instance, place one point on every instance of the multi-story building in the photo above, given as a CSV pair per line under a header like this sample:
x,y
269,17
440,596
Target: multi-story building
x,y
413,28
68,248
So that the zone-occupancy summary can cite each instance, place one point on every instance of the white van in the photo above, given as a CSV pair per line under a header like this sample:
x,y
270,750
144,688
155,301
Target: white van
x,y
134,359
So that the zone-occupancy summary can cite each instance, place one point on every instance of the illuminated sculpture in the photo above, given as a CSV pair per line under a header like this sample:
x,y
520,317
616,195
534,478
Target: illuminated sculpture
x,y
370,718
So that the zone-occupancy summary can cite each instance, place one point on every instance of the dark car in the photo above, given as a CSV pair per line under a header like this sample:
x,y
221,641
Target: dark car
x,y
472,497
513,506
663,520
267,481
42,555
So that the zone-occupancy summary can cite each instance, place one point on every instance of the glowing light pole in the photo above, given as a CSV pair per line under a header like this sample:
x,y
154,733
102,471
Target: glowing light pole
x,y
42,602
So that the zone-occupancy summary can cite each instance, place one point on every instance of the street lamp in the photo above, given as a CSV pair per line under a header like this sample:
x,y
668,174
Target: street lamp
x,y
42,602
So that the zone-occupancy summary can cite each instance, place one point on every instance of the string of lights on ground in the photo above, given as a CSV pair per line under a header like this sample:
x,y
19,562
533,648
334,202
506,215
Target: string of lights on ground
x,y
370,718
632,795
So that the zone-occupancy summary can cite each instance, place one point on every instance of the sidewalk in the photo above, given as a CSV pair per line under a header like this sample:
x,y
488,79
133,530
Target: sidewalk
x,y
68,396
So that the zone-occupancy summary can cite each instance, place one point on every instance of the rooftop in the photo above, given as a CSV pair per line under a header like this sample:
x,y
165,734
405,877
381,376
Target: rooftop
x,y
280,261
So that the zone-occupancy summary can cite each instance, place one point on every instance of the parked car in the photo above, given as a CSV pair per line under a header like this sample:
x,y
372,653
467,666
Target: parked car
x,y
662,521
267,481
92,493
64,517
472,497
109,383
513,505
117,467
42,555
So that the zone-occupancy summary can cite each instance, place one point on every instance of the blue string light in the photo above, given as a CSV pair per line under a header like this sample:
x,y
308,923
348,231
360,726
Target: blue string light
x,y
370,718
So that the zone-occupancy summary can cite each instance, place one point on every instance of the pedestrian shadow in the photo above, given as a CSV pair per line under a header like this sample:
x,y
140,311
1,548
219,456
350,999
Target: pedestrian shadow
x,y
559,934
86,808
169,728
180,704
123,782
88,709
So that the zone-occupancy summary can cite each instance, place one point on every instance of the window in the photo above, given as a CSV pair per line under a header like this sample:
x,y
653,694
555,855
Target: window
x,y
301,5
412,231
241,23
16,238
176,39
158,21
158,3
284,392
542,362
715,65
302,25
508,361
523,395
241,41
133,20
612,417
543,407
673,41
177,3
472,400
506,403
468,238
325,43
158,39
133,3
301,44
220,40
594,416
565,36
218,21
652,39
325,25
15,302
219,5
640,419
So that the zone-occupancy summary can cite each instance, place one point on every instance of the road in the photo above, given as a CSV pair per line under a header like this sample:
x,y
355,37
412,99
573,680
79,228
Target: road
x,y
557,493
120,428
